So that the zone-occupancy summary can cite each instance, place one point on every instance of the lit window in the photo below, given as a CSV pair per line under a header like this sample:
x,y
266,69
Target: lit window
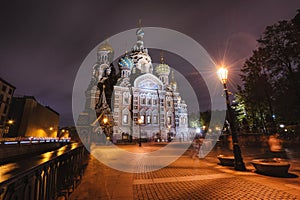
x,y
142,117
148,119
125,119
169,119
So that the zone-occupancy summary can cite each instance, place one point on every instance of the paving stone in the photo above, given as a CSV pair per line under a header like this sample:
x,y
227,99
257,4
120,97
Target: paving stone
x,y
186,178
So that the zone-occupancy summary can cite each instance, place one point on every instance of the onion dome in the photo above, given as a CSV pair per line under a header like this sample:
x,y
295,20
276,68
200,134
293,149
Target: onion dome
x,y
105,47
125,62
162,68
140,32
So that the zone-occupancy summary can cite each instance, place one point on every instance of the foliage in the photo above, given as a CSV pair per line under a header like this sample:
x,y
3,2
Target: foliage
x,y
271,77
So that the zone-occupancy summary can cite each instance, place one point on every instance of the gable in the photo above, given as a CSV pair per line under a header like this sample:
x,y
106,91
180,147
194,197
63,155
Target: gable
x,y
148,81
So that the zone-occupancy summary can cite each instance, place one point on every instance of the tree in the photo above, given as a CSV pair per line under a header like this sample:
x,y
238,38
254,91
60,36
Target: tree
x,y
271,76
257,90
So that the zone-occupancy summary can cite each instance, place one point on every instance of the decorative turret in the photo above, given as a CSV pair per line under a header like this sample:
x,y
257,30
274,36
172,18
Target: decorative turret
x,y
173,83
139,54
163,71
105,53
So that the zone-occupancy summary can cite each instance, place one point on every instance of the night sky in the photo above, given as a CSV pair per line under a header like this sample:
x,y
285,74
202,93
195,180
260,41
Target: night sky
x,y
43,43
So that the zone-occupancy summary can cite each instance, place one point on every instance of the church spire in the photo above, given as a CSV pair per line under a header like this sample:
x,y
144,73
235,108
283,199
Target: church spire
x,y
102,106
139,46
103,97
162,57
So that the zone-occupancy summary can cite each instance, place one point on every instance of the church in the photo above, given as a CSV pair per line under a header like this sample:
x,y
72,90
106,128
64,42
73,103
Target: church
x,y
136,100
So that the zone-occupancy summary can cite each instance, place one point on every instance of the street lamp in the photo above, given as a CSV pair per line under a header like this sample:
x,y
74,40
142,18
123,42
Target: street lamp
x,y
238,160
105,120
140,121
105,128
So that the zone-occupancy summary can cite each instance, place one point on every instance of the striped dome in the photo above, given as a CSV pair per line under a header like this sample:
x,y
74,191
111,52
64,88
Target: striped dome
x,y
125,62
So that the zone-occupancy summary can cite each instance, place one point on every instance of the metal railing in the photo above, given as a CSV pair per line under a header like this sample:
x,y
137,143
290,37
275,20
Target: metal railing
x,y
54,177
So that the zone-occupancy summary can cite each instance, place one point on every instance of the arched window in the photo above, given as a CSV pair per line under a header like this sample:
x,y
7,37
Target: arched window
x,y
148,116
169,118
155,117
142,116
125,116
142,99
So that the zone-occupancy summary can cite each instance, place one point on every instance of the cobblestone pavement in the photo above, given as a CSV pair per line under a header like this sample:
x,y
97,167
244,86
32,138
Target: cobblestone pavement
x,y
202,180
186,178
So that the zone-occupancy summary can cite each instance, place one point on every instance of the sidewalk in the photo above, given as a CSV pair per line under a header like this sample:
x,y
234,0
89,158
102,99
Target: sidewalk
x,y
186,178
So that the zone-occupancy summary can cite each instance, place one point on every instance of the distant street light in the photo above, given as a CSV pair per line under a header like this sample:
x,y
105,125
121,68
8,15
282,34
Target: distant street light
x,y
7,127
238,160
140,121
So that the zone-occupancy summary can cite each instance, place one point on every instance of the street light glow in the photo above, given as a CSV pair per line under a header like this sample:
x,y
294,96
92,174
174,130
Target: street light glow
x,y
223,74
105,120
10,121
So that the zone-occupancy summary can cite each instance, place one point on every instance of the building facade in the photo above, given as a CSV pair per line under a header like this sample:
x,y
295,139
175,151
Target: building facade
x,y
31,119
141,100
6,94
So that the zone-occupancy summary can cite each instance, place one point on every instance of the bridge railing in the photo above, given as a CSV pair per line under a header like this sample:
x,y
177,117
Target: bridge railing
x,y
54,177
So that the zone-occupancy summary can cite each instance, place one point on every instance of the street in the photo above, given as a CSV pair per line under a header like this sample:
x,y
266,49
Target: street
x,y
186,178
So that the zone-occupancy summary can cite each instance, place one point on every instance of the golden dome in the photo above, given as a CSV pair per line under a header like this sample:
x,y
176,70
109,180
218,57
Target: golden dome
x,y
105,47
162,68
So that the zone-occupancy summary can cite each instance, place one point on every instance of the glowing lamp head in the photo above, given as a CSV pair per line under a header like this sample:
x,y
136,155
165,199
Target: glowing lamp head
x,y
51,128
105,120
10,121
140,121
223,74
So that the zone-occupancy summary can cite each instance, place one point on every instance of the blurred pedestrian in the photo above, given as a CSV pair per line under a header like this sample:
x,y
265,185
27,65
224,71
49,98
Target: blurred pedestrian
x,y
275,145
196,147
202,148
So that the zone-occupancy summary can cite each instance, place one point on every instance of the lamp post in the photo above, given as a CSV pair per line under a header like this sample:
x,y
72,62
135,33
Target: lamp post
x,y
140,121
238,160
